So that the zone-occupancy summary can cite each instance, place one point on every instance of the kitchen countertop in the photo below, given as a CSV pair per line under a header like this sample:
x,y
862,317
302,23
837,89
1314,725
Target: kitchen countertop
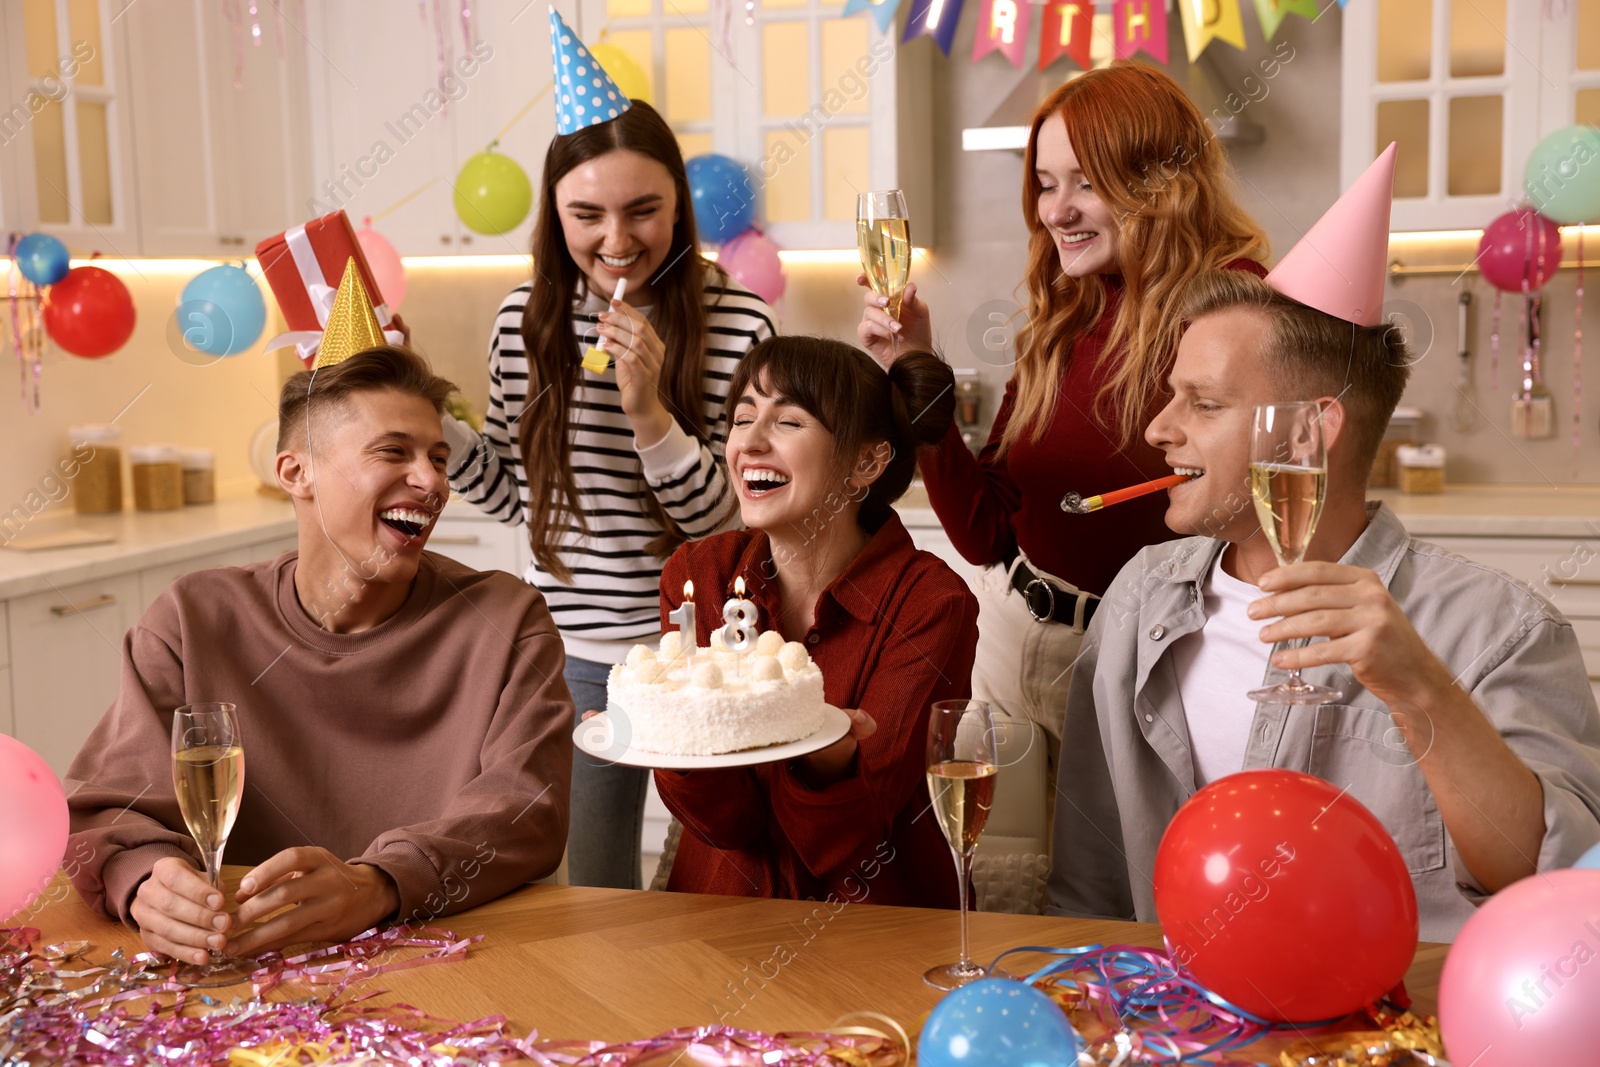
x,y
144,539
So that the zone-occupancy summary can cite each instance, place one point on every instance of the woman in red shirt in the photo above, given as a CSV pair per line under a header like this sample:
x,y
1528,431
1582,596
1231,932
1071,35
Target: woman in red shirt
x,y
1126,198
821,443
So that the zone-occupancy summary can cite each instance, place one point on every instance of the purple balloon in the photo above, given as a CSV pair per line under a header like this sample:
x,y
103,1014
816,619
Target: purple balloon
x,y
753,262
1520,246
1522,980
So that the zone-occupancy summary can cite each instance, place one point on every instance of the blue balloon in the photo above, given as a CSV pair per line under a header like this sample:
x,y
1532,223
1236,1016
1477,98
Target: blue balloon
x,y
42,259
221,311
723,195
1590,860
997,1022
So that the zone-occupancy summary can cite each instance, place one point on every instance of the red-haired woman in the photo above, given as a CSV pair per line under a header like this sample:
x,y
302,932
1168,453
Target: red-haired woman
x,y
609,471
1126,197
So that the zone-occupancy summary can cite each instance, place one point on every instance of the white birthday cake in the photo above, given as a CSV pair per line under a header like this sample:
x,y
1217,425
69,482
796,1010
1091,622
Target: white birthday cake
x,y
715,701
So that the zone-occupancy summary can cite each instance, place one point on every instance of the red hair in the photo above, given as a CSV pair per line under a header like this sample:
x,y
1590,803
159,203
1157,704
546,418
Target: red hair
x,y
1149,155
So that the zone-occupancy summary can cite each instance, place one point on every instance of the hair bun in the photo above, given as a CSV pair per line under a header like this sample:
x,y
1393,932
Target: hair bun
x,y
922,390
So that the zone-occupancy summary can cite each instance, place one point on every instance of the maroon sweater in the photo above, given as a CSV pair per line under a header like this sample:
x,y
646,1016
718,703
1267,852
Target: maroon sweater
x,y
893,633
990,505
436,746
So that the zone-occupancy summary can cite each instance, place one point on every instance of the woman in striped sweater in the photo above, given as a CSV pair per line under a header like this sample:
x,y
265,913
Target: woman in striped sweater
x,y
610,471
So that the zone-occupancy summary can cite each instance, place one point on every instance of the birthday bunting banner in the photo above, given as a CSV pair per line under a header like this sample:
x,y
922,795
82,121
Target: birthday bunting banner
x,y
1066,27
1002,27
934,18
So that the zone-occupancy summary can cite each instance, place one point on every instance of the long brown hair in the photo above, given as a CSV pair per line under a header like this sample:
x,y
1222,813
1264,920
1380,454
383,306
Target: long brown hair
x,y
1149,155
544,432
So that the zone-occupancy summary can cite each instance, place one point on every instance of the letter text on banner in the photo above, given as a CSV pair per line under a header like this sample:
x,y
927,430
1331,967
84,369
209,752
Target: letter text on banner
x,y
882,11
1207,20
1139,26
1273,12
1002,26
1065,30
936,18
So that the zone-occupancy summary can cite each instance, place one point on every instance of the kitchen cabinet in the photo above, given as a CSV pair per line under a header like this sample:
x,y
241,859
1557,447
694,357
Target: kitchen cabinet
x,y
1564,571
146,146
1467,88
479,541
65,128
61,648
230,119
66,645
389,134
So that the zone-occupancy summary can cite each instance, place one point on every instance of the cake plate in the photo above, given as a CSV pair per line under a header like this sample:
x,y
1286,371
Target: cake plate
x,y
597,737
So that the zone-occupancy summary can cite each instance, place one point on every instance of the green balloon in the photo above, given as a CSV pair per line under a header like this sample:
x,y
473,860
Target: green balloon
x,y
493,194
1562,178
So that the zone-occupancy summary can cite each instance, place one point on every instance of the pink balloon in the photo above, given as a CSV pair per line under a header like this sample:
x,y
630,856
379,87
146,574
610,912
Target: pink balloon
x,y
33,825
387,270
1522,981
753,262
1518,246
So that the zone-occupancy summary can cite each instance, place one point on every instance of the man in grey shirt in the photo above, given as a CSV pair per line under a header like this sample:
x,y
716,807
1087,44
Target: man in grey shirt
x,y
1467,725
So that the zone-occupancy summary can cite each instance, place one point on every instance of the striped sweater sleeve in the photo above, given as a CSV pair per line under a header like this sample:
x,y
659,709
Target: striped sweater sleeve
x,y
688,477
484,469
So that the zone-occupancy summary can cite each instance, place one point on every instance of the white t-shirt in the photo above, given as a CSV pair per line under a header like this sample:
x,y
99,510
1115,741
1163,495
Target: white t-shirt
x,y
1217,665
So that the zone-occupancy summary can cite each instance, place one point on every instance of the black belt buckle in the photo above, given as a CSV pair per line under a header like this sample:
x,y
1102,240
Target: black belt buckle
x,y
1046,612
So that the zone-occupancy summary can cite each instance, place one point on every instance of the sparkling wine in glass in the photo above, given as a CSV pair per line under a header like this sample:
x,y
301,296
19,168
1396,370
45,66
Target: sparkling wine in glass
x,y
883,233
1289,482
961,769
208,775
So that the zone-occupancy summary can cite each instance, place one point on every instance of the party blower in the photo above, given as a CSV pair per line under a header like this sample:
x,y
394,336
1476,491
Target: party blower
x,y
1077,504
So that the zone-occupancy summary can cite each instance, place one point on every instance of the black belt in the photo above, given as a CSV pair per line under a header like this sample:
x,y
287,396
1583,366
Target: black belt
x,y
1048,604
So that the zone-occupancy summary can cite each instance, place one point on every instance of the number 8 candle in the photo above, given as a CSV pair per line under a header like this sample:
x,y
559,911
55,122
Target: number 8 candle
x,y
739,618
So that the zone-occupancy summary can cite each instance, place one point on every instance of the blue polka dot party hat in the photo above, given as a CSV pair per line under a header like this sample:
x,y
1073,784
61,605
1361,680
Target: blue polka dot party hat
x,y
585,94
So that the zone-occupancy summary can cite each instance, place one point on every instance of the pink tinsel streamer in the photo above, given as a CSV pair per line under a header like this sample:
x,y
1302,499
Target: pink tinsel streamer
x,y
27,334
86,1016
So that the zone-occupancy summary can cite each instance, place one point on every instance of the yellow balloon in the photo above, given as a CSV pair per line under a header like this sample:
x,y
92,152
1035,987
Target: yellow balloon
x,y
629,76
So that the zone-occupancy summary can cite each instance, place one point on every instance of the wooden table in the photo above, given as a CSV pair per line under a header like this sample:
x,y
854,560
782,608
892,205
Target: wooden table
x,y
619,965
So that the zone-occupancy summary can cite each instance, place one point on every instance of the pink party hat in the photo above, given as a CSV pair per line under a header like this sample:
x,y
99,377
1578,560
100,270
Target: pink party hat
x,y
1339,266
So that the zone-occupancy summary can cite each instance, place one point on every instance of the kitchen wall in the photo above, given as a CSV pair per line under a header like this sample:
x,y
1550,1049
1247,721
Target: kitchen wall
x,y
1286,180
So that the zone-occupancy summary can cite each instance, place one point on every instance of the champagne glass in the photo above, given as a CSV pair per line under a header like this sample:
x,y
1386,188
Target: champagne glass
x,y
961,769
1289,481
208,775
883,233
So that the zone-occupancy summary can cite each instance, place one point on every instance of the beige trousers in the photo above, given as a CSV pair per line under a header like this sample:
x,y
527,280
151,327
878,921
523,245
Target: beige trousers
x,y
1023,666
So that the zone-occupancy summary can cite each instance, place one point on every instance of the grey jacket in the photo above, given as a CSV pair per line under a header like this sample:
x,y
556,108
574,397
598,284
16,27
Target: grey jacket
x,y
1126,765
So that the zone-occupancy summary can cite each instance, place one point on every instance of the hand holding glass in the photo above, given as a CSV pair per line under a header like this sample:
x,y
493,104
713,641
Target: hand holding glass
x,y
883,233
1289,482
961,771
208,775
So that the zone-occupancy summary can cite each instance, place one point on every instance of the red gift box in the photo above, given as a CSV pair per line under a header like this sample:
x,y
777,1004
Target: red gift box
x,y
304,265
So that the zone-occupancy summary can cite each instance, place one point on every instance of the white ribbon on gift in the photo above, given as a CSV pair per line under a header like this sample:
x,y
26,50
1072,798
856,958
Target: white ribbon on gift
x,y
307,342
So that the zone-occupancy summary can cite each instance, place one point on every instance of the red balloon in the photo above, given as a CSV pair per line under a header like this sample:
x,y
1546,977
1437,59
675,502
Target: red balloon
x,y
89,313
1519,246
1284,895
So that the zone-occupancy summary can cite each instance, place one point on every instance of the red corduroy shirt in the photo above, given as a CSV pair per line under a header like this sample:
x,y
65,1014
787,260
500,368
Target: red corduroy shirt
x,y
989,505
894,633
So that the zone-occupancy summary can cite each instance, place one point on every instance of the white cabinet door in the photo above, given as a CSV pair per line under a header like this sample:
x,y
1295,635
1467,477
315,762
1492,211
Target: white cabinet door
x,y
382,132
261,116
66,654
480,543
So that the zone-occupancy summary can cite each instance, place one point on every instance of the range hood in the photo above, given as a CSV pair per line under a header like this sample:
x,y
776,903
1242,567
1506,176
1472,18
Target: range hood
x,y
1007,127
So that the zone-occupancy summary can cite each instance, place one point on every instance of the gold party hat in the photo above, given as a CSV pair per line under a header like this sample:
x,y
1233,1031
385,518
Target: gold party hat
x,y
352,325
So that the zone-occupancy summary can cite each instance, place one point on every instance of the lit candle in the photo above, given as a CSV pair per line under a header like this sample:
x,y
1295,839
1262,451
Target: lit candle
x,y
683,615
739,618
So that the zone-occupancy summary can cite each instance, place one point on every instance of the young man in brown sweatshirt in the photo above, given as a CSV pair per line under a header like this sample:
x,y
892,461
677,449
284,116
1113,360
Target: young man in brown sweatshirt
x,y
407,733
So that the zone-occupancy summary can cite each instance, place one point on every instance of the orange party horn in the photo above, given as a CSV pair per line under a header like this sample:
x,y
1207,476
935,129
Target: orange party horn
x,y
1076,504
